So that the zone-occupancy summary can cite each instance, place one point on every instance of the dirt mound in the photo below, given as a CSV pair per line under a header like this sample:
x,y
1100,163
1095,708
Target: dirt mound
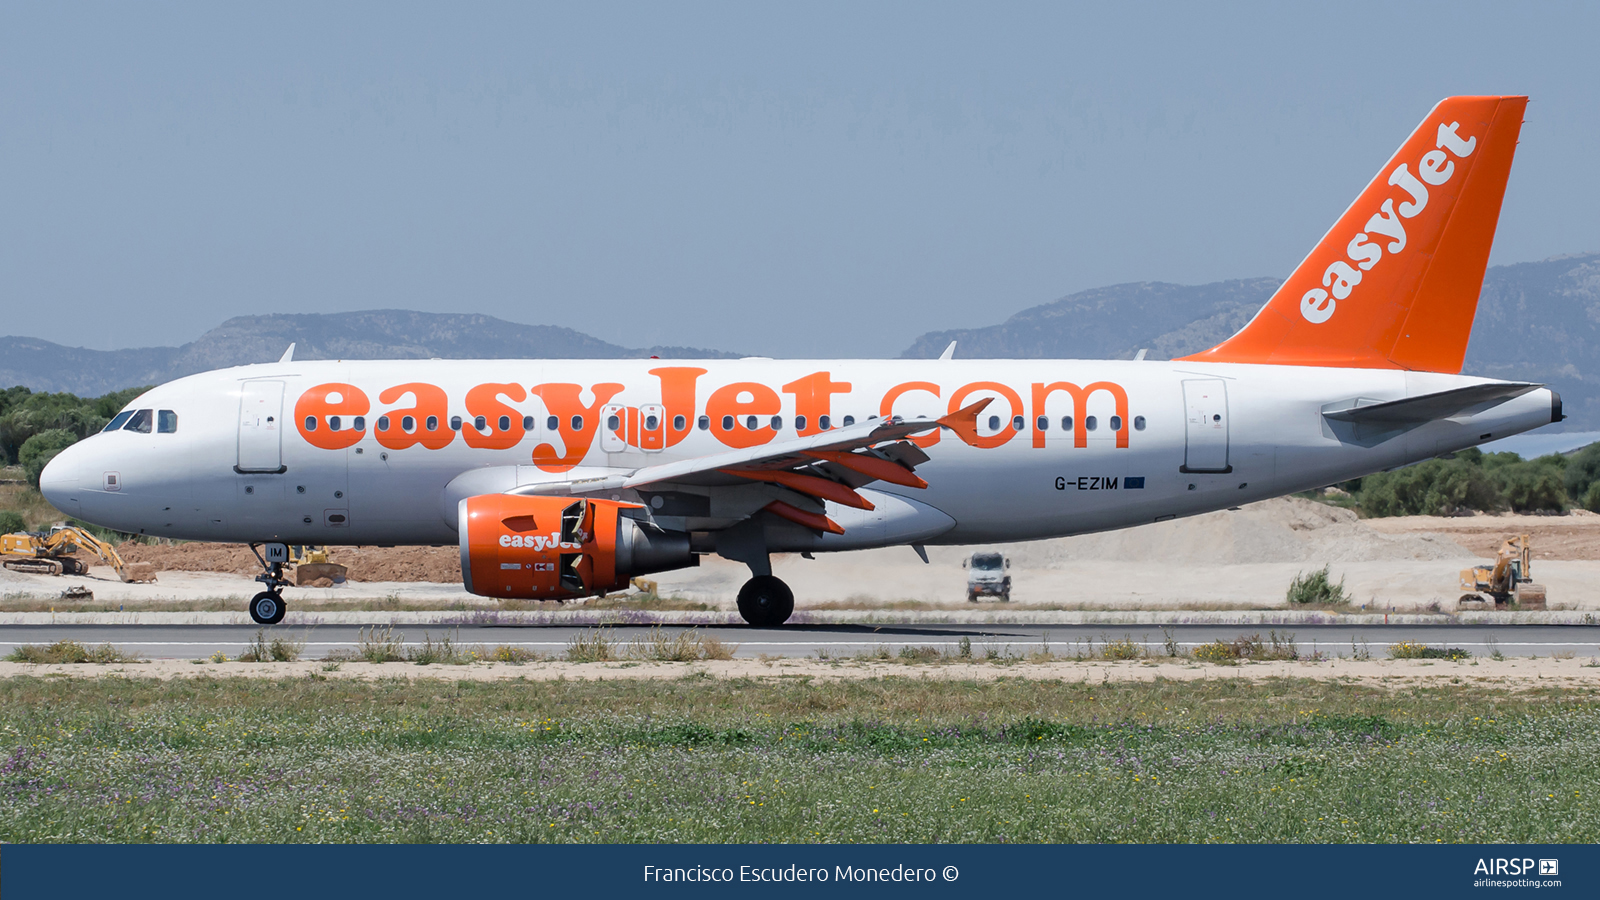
x,y
1575,535
1288,529
441,564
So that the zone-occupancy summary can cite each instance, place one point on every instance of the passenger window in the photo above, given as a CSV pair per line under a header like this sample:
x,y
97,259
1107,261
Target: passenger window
x,y
433,423
166,421
505,423
1066,423
408,424
383,423
750,422
139,422
823,423
849,420
705,422
994,422
119,420
1138,423
1016,423
359,423
614,422
651,423
577,423
1116,423
1042,423
799,423
527,423
679,423
333,423
480,423
1089,422
455,423
727,423
311,423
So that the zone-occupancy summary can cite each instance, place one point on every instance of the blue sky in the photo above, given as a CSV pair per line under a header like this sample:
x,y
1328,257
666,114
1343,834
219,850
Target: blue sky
x,y
791,180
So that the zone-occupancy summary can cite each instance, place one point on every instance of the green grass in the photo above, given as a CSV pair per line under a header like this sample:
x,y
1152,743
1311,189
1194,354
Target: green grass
x,y
700,759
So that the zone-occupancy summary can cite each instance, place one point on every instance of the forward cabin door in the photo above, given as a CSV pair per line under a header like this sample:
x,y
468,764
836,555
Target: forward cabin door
x,y
261,427
1205,402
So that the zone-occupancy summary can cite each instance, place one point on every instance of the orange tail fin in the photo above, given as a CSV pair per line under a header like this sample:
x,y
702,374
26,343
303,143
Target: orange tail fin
x,y
1395,284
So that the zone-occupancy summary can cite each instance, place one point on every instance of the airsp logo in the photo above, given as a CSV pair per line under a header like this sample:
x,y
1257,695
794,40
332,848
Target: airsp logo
x,y
1549,867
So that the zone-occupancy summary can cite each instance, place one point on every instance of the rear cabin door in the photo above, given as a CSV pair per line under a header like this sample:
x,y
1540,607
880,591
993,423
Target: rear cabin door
x,y
1205,403
261,427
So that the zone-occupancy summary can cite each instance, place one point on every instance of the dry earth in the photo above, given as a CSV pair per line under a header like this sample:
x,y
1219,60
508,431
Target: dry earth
x,y
1396,674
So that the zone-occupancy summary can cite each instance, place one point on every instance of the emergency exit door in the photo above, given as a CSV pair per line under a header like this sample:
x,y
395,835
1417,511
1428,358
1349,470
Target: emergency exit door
x,y
261,427
1205,402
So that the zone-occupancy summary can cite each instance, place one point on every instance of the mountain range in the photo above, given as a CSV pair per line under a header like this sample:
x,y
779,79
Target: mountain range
x,y
1537,321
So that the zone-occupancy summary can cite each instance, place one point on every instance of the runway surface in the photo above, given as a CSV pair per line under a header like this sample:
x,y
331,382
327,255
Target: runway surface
x,y
196,641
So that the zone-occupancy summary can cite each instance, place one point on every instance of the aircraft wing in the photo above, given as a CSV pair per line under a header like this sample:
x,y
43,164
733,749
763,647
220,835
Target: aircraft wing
x,y
825,466
1428,407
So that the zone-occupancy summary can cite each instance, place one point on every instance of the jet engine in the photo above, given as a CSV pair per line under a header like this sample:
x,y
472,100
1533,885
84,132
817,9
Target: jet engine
x,y
554,548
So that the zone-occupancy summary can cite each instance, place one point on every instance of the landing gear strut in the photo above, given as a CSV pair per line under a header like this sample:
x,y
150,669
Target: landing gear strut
x,y
267,607
765,601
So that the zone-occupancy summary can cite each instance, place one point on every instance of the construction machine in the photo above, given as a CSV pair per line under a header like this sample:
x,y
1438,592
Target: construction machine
x,y
1509,580
50,553
311,563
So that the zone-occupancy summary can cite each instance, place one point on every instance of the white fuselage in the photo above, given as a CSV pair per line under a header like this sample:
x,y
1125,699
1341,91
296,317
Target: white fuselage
x,y
1193,438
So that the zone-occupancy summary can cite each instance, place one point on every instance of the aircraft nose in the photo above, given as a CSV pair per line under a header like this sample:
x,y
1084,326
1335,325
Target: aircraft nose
x,y
62,479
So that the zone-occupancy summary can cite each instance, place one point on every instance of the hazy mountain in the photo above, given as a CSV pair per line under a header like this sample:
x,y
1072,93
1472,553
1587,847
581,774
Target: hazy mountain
x,y
374,334
1112,323
1536,321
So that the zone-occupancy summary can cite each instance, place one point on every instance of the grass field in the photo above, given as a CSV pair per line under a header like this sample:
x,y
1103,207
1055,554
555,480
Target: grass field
x,y
700,759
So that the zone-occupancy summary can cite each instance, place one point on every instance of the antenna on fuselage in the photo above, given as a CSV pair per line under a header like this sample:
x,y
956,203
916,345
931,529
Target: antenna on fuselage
x,y
949,352
288,355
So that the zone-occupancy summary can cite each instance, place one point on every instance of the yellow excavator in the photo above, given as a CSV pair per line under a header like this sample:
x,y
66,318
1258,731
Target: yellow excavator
x,y
50,553
1509,580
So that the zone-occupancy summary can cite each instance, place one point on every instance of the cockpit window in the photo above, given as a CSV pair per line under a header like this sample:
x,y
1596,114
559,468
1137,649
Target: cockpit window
x,y
140,421
120,420
166,421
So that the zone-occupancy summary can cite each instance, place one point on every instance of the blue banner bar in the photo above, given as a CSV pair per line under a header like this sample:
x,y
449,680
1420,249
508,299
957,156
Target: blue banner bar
x,y
671,870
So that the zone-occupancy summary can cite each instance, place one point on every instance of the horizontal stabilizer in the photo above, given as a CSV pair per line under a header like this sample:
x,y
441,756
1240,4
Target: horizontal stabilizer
x,y
1428,407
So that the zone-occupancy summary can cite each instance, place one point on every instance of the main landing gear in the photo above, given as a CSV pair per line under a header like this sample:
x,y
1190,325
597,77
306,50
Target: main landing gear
x,y
267,607
765,601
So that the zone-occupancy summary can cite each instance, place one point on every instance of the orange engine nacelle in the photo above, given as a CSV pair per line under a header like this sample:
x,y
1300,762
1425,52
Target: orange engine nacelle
x,y
554,548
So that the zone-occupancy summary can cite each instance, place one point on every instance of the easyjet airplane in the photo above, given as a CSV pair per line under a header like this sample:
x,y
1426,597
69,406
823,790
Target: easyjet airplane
x,y
562,479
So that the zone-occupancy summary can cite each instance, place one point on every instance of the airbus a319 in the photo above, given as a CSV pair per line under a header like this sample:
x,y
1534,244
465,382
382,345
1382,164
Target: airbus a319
x,y
562,479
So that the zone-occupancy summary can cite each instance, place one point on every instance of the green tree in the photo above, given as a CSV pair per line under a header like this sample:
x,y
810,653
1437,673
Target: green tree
x,y
1583,469
11,520
38,450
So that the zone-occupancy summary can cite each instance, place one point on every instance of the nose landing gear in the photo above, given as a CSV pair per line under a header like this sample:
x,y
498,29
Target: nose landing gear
x,y
267,607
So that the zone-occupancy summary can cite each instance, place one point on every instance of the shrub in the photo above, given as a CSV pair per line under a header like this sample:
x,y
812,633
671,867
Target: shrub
x,y
516,656
1534,486
278,649
1316,588
1412,650
38,450
1433,488
1582,472
68,652
1123,649
592,645
12,521
443,652
377,646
